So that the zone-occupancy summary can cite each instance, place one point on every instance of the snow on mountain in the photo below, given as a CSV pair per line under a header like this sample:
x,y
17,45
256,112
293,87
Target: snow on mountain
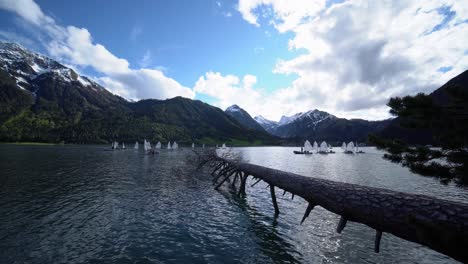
x,y
313,117
233,108
268,125
289,125
288,119
25,66
262,120
243,117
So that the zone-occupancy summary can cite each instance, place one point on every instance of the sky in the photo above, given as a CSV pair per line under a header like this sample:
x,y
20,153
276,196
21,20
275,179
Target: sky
x,y
270,57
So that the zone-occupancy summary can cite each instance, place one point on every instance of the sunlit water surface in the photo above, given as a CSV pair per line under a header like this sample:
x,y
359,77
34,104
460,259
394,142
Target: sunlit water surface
x,y
82,204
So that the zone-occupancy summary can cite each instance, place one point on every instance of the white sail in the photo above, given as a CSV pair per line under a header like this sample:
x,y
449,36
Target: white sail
x,y
169,145
315,146
203,146
224,145
343,147
216,145
307,146
175,145
158,145
193,145
350,147
123,145
323,147
136,145
116,145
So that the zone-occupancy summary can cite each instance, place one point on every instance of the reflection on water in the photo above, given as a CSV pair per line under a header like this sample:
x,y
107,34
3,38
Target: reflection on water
x,y
78,204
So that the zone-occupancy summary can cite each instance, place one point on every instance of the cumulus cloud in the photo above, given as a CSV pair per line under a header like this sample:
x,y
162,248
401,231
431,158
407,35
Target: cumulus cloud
x,y
145,83
360,53
286,14
230,89
75,46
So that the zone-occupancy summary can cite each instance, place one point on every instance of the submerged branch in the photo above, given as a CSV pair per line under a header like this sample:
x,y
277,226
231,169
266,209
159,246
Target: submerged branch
x,y
438,224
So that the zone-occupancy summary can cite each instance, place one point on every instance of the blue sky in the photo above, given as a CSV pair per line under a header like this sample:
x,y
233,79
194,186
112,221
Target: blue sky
x,y
184,38
271,57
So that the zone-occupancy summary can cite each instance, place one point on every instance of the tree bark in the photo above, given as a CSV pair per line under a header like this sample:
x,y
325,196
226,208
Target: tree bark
x,y
438,224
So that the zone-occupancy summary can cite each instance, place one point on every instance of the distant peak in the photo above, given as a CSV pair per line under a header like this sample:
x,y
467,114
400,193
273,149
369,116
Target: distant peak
x,y
233,108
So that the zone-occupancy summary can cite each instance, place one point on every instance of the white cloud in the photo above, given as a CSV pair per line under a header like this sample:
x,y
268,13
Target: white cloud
x,y
145,83
146,60
230,89
27,9
75,46
285,15
360,53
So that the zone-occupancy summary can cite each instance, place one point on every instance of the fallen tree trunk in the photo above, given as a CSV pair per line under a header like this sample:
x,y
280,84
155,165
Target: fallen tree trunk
x,y
438,224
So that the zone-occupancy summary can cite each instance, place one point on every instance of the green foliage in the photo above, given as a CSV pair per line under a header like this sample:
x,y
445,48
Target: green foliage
x,y
445,114
72,113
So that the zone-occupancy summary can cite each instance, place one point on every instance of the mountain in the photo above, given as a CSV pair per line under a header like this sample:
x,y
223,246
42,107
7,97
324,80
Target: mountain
x,y
243,117
318,125
268,125
443,97
43,100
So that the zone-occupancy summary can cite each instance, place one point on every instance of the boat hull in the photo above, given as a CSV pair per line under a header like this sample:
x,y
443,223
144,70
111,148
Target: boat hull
x,y
302,152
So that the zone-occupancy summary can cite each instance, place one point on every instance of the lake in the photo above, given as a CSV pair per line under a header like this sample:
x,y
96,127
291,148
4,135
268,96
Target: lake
x,y
81,204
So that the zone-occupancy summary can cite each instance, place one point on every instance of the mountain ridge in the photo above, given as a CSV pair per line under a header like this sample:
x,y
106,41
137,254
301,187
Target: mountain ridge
x,y
43,100
243,117
320,125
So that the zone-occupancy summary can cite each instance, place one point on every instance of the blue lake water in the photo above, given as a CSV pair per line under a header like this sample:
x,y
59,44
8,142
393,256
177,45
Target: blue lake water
x,y
81,204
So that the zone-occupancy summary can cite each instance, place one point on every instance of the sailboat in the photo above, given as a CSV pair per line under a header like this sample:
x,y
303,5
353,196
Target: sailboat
x,y
349,148
193,145
316,149
224,146
136,145
158,145
323,148
169,145
175,145
123,145
343,146
203,146
330,149
307,149
116,145
357,148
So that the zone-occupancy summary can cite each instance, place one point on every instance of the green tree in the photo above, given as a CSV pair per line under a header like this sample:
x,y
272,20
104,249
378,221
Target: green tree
x,y
445,115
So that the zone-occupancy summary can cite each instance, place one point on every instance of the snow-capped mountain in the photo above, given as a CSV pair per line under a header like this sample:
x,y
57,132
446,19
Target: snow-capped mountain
x,y
319,125
233,108
241,116
27,67
43,100
312,118
268,125
309,119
